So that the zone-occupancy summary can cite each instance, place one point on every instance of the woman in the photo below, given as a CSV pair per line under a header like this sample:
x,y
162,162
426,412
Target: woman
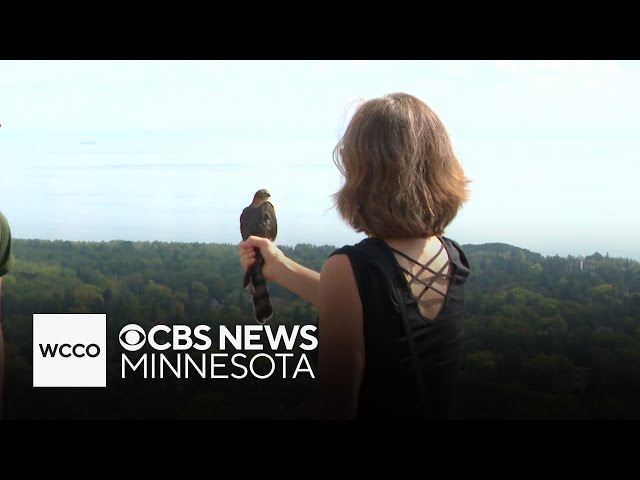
x,y
391,307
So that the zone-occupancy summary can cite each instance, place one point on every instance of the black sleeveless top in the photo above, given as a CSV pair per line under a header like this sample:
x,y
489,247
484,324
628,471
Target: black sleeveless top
x,y
390,386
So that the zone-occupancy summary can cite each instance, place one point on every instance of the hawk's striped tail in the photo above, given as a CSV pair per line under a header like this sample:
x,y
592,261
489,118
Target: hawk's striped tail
x,y
257,284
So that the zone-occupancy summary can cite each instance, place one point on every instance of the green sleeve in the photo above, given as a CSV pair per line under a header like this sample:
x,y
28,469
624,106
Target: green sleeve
x,y
6,255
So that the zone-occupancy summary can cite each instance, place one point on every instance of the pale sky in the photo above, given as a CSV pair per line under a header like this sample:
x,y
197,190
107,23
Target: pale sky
x,y
552,147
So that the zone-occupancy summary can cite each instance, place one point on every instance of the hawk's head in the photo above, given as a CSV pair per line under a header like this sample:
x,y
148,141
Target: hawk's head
x,y
260,197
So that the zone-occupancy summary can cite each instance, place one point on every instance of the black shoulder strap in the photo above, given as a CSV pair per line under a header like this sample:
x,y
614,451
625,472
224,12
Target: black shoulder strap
x,y
358,254
397,295
357,259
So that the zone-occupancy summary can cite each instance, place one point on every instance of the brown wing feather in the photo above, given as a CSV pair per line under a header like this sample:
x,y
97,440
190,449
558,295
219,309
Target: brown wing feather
x,y
269,224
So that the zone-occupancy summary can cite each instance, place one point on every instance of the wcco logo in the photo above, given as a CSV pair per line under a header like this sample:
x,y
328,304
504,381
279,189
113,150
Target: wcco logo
x,y
78,350
69,350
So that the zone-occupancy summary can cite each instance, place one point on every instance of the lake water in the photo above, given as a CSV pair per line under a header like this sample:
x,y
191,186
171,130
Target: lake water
x,y
165,186
546,193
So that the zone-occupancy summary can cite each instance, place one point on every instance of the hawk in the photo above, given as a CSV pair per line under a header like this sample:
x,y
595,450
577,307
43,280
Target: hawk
x,y
259,219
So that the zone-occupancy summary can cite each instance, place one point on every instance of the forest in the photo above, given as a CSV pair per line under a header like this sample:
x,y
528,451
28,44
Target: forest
x,y
546,337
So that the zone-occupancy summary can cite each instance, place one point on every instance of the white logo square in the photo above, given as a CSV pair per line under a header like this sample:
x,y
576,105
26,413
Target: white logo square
x,y
69,350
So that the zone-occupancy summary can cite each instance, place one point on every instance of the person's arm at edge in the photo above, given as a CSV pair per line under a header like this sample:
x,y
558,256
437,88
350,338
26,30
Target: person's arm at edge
x,y
279,268
1,357
6,261
341,356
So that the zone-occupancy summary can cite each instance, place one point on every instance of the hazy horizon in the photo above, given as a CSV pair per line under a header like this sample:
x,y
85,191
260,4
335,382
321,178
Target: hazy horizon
x,y
172,151
574,255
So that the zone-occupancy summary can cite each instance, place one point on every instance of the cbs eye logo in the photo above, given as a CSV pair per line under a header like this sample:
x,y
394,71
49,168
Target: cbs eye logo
x,y
132,337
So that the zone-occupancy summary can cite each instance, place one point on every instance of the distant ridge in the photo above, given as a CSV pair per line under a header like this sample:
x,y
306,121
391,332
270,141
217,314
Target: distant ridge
x,y
496,247
504,250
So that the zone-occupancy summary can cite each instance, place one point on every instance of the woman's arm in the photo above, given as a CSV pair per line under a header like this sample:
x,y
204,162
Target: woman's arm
x,y
341,355
334,291
278,268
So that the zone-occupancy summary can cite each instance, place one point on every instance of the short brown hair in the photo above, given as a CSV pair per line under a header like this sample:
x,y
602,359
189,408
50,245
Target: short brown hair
x,y
402,177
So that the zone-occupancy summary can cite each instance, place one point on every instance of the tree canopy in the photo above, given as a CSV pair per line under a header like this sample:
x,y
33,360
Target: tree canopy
x,y
545,337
